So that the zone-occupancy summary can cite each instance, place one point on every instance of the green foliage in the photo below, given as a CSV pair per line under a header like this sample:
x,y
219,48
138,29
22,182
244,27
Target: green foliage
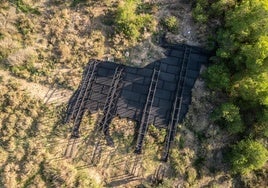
x,y
199,14
252,88
76,2
248,155
181,142
261,125
228,115
156,133
245,36
204,9
26,68
1,36
219,7
130,23
171,23
25,7
217,77
248,20
243,52
199,162
3,54
256,54
82,180
25,26
191,175
146,7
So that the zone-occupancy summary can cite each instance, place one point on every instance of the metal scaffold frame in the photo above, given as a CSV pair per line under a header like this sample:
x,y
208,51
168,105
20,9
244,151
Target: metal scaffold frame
x,y
175,115
158,93
77,111
109,109
147,109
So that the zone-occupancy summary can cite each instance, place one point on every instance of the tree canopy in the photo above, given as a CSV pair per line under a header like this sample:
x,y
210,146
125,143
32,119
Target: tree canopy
x,y
248,155
228,115
241,61
240,71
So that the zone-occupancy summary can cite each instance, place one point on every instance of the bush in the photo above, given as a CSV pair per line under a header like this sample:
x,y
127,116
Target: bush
x,y
171,23
191,175
76,2
59,174
157,134
25,7
83,180
248,155
228,115
130,23
199,14
26,28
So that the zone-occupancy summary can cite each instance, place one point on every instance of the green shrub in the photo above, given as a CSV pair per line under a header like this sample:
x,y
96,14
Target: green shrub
x,y
191,175
2,36
83,180
26,28
200,14
171,23
26,70
25,25
25,8
4,54
228,115
248,155
76,2
128,22
199,162
63,174
157,134
147,8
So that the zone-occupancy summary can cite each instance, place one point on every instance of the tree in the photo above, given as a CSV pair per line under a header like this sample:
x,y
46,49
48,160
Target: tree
x,y
228,115
199,13
243,55
218,77
252,88
248,155
261,125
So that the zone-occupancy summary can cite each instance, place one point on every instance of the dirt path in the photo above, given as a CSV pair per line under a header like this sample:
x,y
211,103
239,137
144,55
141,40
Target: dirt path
x,y
48,94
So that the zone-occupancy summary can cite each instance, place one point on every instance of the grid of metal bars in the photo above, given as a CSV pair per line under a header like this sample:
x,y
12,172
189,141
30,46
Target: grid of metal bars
x,y
78,104
175,115
147,109
109,109
76,112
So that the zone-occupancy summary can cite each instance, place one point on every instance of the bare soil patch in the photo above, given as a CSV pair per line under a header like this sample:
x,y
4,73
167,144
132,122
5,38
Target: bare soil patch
x,y
48,94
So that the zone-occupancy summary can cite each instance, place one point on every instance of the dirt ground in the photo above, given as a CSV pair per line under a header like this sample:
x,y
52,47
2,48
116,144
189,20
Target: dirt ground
x,y
205,140
48,94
